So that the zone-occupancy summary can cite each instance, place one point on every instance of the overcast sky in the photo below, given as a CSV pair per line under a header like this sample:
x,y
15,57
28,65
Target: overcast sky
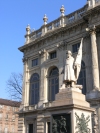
x,y
14,17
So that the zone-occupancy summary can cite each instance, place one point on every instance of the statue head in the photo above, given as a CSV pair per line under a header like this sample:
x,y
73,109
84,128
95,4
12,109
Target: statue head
x,y
69,53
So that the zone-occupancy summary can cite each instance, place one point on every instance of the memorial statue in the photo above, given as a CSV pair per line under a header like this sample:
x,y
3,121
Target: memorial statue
x,y
72,67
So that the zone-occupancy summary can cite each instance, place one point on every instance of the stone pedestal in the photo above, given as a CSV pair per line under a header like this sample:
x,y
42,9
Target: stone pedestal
x,y
73,102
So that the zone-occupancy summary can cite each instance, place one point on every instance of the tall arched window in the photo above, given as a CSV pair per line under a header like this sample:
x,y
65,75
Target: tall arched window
x,y
53,83
34,89
82,77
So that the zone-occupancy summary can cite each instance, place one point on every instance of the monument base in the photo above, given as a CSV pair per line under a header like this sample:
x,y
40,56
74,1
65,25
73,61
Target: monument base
x,y
70,96
71,101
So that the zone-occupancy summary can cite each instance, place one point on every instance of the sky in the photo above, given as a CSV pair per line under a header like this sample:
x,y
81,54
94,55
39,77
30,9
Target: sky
x,y
14,17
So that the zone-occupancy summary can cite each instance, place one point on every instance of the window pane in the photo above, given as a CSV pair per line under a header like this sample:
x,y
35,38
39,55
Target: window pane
x,y
52,81
35,62
53,84
56,89
34,89
32,97
52,93
36,85
36,96
32,86
75,47
56,80
53,55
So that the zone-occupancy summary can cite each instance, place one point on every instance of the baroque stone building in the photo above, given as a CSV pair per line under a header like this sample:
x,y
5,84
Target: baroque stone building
x,y
44,56
8,117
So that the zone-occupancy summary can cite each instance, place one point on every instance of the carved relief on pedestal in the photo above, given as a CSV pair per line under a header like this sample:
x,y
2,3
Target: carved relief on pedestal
x,y
95,122
82,124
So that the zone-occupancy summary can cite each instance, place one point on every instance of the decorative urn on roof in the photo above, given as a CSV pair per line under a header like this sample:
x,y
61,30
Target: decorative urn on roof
x,y
62,10
45,19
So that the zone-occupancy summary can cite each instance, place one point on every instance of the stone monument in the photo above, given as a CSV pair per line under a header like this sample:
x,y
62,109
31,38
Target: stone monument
x,y
76,110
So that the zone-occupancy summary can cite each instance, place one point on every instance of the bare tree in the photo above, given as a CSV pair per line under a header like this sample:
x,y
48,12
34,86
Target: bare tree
x,y
14,86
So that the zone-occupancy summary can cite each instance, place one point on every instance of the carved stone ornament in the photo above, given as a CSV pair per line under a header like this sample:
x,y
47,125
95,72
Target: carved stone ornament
x,y
62,10
95,122
62,45
82,124
42,52
45,19
91,29
25,60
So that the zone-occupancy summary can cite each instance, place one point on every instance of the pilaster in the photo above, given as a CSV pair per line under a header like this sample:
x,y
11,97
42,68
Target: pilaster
x,y
26,83
42,77
88,63
61,47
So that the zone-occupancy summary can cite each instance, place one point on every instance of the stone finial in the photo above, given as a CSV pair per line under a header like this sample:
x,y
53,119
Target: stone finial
x,y
27,33
62,10
45,19
28,29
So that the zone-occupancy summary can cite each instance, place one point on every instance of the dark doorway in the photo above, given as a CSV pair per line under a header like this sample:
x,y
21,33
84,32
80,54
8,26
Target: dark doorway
x,y
48,124
30,128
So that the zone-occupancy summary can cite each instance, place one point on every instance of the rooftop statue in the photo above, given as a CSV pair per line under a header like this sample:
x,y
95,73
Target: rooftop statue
x,y
72,67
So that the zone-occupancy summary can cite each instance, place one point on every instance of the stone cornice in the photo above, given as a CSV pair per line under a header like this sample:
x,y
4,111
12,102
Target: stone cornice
x,y
64,107
91,12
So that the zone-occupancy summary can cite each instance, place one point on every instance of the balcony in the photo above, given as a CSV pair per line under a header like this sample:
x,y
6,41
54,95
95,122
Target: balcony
x,y
62,21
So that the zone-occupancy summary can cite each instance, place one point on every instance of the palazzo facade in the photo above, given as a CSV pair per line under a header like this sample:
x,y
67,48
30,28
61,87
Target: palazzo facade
x,y
44,56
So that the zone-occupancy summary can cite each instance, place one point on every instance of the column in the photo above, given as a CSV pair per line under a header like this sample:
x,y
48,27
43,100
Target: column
x,y
94,56
91,3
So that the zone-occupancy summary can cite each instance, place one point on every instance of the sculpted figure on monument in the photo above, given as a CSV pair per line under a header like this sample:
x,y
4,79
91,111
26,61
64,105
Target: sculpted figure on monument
x,y
95,119
72,67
